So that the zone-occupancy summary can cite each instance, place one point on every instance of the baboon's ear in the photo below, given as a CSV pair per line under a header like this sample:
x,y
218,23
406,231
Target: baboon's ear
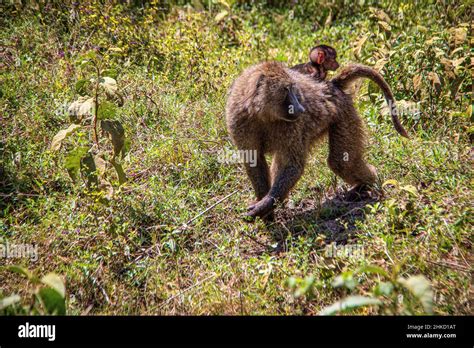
x,y
259,81
317,56
255,83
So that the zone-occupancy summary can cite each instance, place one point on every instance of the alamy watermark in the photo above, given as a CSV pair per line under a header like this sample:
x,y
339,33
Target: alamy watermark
x,y
355,251
240,156
19,251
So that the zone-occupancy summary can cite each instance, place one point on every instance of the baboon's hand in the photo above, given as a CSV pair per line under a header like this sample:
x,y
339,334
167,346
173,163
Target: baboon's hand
x,y
261,208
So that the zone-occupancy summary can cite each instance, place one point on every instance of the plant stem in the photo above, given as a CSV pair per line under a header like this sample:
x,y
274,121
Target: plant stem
x,y
96,102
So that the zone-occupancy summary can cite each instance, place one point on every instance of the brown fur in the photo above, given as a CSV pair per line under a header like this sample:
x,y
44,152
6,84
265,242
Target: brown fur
x,y
256,121
353,72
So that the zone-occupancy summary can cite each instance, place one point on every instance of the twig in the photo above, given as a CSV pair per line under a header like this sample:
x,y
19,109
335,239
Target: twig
x,y
185,225
256,240
20,194
169,299
451,265
212,206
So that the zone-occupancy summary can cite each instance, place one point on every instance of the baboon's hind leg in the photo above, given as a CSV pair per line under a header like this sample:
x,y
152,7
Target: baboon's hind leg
x,y
346,152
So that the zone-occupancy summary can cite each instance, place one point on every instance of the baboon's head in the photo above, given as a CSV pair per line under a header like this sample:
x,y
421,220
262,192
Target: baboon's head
x,y
278,93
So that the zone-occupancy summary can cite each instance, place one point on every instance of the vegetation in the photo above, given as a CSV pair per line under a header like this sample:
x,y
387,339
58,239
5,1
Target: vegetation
x,y
112,123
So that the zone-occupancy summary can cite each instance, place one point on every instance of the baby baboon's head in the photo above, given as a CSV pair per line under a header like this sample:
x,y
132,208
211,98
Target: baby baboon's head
x,y
278,93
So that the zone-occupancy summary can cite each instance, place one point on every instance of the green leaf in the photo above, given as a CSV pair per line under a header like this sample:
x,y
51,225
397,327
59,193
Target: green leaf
x,y
383,288
22,271
120,172
117,134
8,301
349,303
410,189
52,301
306,287
126,147
88,170
72,161
420,287
373,269
62,134
106,110
81,86
345,279
110,72
55,282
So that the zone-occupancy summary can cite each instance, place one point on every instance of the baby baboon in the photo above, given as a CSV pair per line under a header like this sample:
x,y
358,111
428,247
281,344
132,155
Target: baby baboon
x,y
275,110
321,59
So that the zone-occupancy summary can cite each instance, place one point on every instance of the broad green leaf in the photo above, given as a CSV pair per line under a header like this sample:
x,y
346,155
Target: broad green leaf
x,y
110,73
383,288
116,132
120,172
62,134
82,86
72,162
55,282
420,287
88,170
106,110
52,300
349,303
373,269
306,286
345,279
410,189
8,301
126,147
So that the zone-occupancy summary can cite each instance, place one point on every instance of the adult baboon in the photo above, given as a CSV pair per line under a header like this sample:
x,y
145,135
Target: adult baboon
x,y
272,109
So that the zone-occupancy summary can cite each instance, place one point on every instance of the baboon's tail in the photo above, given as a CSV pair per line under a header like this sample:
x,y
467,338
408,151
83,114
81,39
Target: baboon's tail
x,y
352,72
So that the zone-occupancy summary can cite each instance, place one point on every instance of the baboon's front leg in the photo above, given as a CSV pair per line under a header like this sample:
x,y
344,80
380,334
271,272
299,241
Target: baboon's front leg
x,y
286,174
259,176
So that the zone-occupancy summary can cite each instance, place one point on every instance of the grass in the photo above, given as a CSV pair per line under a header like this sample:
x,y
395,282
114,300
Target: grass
x,y
153,247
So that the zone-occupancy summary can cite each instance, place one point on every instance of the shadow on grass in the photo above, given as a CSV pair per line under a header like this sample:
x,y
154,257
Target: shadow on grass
x,y
334,218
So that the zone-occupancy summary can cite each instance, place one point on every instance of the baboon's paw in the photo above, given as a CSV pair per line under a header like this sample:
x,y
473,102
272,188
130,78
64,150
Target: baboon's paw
x,y
261,208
